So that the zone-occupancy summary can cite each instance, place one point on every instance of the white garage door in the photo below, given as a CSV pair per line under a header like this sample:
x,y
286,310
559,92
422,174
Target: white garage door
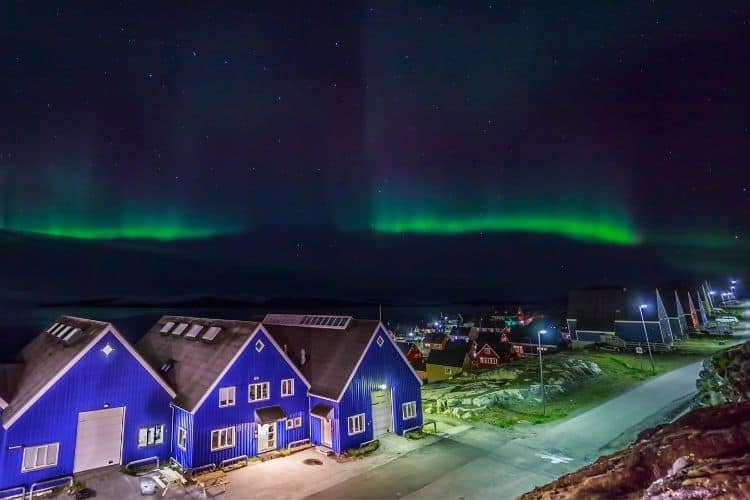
x,y
382,412
99,439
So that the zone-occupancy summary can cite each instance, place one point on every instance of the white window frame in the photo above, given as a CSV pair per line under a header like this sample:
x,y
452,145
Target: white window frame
x,y
293,423
49,460
227,396
448,370
252,391
355,424
408,410
287,387
228,433
151,432
182,438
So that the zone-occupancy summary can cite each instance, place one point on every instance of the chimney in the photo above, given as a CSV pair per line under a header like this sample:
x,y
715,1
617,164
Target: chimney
x,y
302,357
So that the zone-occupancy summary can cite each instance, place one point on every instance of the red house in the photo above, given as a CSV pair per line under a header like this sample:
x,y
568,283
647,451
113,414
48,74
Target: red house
x,y
491,354
411,352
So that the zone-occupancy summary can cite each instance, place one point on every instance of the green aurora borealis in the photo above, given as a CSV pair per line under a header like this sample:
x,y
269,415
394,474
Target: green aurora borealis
x,y
575,227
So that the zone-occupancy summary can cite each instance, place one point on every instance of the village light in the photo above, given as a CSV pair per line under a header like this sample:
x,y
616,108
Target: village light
x,y
645,332
383,387
541,372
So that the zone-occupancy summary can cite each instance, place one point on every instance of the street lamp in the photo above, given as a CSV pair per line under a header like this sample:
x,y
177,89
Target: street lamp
x,y
645,332
541,373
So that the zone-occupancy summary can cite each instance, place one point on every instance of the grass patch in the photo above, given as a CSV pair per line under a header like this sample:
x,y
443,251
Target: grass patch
x,y
416,435
363,451
620,372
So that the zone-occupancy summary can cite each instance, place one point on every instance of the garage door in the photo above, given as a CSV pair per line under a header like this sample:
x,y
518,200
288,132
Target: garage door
x,y
382,412
99,439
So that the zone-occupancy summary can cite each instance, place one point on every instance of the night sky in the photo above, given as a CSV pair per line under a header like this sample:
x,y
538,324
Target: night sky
x,y
407,149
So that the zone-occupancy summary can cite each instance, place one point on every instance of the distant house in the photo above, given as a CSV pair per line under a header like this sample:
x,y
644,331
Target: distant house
x,y
410,351
447,363
79,398
491,354
435,341
361,384
237,391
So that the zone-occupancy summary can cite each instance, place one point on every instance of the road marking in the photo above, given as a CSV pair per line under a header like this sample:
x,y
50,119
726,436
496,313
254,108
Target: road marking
x,y
555,459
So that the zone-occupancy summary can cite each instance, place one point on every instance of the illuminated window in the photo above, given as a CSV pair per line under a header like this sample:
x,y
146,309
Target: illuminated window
x,y
182,438
258,392
287,387
356,424
149,436
40,457
226,396
222,439
409,410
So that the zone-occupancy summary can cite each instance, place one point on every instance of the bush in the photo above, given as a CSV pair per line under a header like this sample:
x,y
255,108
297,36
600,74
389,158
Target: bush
x,y
364,451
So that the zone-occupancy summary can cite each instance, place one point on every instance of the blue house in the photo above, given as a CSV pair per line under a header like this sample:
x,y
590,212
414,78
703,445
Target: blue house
x,y
79,398
361,385
238,394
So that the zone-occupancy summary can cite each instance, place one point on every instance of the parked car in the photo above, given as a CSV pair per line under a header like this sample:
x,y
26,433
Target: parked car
x,y
727,319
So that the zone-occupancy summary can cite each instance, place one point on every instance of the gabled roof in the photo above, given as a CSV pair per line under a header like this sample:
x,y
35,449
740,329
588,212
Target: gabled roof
x,y
405,347
195,364
500,348
331,355
453,355
47,358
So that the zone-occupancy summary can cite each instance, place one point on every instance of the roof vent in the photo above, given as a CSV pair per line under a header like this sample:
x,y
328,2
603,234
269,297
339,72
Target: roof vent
x,y
72,336
167,366
49,330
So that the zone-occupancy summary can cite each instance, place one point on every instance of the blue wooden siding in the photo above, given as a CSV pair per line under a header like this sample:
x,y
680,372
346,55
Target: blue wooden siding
x,y
252,366
633,332
314,423
183,419
380,366
94,383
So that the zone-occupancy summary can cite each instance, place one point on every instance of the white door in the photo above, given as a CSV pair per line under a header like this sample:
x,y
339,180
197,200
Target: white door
x,y
382,412
99,438
325,432
266,437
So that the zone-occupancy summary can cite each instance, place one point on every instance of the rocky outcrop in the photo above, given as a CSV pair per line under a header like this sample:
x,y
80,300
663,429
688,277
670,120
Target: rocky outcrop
x,y
704,454
472,393
725,377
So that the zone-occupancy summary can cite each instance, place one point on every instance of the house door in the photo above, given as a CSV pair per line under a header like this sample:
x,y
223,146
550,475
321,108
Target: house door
x,y
382,412
325,432
266,437
99,439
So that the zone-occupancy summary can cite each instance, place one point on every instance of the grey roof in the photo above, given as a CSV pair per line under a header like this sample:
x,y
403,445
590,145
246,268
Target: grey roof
x,y
44,358
453,355
322,411
269,414
195,363
330,355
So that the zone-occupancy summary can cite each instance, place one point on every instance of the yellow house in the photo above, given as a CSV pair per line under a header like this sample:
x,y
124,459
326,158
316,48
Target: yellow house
x,y
447,363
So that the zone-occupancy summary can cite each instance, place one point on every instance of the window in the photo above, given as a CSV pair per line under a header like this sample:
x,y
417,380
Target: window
x,y
409,410
40,457
518,349
148,436
448,370
287,387
182,438
487,361
487,350
222,439
258,392
293,423
226,396
356,424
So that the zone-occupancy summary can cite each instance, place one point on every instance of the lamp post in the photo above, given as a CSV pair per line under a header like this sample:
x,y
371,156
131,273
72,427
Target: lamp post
x,y
541,372
645,332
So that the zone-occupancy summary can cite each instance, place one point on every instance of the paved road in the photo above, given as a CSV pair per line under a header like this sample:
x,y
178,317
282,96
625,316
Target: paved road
x,y
485,462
